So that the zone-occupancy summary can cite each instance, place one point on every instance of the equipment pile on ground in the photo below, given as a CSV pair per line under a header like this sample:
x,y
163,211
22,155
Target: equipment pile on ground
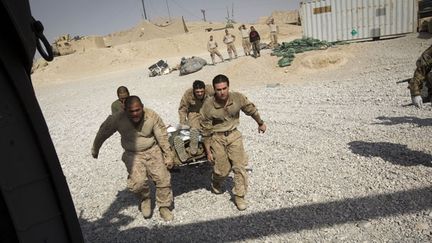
x,y
191,65
287,50
159,68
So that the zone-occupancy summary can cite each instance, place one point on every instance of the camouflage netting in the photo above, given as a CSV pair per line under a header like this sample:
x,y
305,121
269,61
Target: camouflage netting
x,y
288,49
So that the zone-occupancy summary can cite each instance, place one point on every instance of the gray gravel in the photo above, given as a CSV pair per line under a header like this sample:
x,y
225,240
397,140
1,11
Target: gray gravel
x,y
344,158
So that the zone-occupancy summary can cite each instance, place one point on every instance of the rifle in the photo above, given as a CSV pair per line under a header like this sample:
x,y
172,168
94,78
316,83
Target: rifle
x,y
403,81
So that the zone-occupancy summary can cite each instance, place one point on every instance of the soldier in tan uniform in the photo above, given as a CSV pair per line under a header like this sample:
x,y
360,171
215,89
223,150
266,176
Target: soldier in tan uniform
x,y
273,33
245,39
424,66
212,48
147,153
222,141
229,40
189,114
118,105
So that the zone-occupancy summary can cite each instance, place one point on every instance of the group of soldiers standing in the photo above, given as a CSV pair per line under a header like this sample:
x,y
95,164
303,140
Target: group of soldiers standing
x,y
250,41
211,111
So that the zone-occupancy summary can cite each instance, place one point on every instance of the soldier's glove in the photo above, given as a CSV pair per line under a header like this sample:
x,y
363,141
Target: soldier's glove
x,y
417,101
94,153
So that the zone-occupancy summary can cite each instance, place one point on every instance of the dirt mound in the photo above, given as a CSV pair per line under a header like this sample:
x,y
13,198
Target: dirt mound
x,y
323,60
146,31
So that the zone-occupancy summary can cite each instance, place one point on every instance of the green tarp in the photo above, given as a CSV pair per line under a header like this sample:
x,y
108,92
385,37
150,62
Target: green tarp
x,y
287,50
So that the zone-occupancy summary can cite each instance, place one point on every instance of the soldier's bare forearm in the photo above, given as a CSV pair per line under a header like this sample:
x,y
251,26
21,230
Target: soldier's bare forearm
x,y
206,143
256,116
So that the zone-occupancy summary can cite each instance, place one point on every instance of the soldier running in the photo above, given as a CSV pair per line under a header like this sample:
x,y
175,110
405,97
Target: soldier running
x,y
118,105
189,115
147,153
222,141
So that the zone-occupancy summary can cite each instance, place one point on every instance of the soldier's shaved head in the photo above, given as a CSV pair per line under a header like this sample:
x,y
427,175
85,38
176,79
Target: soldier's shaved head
x,y
132,100
134,109
220,79
122,90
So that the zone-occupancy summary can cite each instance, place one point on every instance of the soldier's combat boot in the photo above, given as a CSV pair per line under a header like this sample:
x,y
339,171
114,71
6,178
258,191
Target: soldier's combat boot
x,y
216,187
193,145
180,149
240,202
146,208
166,214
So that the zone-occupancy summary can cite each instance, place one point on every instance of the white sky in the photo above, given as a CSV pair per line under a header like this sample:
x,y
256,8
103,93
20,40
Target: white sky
x,y
101,17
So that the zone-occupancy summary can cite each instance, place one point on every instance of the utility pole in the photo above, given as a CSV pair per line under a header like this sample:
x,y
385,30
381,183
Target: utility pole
x,y
203,12
227,12
169,14
145,15
232,12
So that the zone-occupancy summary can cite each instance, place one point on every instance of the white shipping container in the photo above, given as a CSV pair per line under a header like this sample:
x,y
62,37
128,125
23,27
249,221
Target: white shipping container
x,y
341,20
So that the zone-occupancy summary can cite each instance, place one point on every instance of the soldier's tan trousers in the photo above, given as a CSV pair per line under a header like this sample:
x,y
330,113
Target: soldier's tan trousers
x,y
273,39
230,49
146,165
214,52
246,45
228,153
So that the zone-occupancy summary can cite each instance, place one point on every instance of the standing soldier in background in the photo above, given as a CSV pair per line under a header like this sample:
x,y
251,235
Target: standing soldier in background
x,y
254,38
147,153
212,48
273,33
424,66
118,105
229,40
222,141
245,39
189,114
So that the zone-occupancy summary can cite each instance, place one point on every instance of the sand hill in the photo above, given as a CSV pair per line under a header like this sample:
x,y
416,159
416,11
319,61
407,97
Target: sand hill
x,y
144,45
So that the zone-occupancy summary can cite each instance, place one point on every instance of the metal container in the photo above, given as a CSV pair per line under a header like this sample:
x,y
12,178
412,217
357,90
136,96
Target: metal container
x,y
342,20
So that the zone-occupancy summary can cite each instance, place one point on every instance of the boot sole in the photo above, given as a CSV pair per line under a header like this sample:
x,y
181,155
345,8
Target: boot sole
x,y
180,149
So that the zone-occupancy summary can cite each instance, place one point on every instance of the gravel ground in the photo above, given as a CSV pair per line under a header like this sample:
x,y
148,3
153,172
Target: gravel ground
x,y
344,157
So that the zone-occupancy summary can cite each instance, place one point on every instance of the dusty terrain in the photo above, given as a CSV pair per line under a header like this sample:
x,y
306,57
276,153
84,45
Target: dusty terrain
x,y
344,157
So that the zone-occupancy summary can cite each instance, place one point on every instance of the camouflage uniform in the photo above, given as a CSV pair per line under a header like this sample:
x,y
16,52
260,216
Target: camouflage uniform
x,y
146,148
245,41
219,126
212,48
229,41
273,34
188,110
190,107
424,66
116,106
